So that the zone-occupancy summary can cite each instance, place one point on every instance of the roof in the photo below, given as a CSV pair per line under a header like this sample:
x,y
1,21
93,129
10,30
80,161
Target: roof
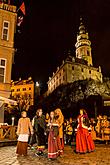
x,y
7,101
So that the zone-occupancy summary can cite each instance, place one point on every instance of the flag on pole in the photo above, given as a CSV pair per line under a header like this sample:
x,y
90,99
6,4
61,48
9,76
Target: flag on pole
x,y
22,8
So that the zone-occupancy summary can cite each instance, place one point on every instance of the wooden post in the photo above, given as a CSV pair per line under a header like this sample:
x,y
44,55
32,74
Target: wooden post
x,y
12,133
2,113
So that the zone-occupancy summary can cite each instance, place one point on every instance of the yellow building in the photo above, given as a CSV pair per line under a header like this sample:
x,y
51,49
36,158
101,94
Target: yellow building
x,y
76,68
23,92
8,19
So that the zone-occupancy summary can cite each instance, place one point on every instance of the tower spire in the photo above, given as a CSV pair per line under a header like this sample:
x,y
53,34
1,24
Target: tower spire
x,y
83,44
82,29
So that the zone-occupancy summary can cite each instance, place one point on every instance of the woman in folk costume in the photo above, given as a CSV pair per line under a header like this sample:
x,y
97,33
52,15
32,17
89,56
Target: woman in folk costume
x,y
60,119
54,145
84,142
40,125
24,126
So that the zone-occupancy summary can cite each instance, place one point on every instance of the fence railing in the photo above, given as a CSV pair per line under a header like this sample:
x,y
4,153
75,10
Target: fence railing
x,y
8,132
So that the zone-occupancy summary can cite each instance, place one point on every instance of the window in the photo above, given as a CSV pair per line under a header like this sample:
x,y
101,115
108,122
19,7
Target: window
x,y
3,62
89,71
30,88
60,81
18,90
5,32
1,74
72,67
2,70
82,70
63,70
12,90
87,52
24,89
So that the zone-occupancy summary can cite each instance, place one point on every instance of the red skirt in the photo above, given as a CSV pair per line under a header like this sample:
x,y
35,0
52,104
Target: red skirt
x,y
54,146
84,142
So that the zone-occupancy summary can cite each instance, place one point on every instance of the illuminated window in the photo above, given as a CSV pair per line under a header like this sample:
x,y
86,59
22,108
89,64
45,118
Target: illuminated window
x,y
5,31
2,70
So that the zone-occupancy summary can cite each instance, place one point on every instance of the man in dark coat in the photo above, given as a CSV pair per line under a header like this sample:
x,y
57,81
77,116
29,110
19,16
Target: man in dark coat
x,y
40,126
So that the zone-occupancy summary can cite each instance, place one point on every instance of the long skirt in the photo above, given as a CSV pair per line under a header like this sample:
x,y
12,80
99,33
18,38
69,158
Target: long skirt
x,y
22,148
54,146
84,142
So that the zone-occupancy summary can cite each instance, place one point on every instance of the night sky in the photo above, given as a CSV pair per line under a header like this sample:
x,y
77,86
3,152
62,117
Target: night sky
x,y
49,30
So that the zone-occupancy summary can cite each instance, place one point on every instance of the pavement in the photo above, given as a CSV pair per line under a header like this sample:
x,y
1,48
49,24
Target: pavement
x,y
100,157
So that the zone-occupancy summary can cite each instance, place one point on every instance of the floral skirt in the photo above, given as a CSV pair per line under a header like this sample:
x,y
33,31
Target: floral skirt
x,y
54,146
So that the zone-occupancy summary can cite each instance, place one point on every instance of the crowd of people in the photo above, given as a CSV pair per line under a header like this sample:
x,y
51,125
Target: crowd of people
x,y
53,131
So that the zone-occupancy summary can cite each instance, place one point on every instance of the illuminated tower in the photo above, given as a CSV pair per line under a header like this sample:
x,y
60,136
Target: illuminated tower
x,y
8,18
83,45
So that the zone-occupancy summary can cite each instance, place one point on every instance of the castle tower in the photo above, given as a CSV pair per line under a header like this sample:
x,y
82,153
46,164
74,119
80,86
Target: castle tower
x,y
8,19
83,45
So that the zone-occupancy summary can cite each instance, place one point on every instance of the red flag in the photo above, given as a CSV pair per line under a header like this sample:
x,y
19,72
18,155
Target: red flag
x,y
22,8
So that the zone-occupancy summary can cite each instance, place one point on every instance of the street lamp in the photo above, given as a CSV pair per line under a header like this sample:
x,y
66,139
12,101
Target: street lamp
x,y
13,121
37,88
37,84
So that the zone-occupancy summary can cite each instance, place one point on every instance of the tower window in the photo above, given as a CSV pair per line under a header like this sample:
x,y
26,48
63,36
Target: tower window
x,y
89,71
87,52
72,67
82,70
2,70
5,32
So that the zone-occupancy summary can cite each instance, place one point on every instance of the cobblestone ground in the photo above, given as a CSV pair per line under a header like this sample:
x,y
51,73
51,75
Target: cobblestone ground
x,y
100,157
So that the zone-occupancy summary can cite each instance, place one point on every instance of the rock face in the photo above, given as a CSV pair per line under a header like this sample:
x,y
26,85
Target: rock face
x,y
70,96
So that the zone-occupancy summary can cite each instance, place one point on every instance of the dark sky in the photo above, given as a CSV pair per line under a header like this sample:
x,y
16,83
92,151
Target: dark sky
x,y
49,31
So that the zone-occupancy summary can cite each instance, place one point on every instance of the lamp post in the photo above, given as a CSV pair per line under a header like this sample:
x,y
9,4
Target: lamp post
x,y
37,88
13,121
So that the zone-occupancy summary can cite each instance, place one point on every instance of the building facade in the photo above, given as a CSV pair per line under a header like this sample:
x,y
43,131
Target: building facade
x,y
76,68
8,18
23,92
